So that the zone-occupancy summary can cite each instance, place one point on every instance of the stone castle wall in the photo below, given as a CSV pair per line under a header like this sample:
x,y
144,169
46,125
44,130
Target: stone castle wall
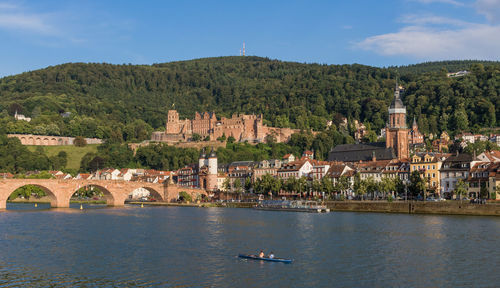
x,y
242,127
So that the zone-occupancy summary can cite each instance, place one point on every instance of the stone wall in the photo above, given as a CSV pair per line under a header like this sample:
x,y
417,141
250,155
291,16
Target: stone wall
x,y
45,140
196,145
412,207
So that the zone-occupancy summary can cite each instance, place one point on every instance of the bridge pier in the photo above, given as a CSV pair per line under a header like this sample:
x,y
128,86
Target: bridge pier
x,y
56,203
3,205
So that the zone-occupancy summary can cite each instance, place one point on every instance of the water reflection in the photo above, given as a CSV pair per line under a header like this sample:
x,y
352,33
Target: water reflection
x,y
197,247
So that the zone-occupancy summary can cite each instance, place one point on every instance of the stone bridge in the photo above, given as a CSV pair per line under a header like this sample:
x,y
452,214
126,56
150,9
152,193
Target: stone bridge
x,y
115,191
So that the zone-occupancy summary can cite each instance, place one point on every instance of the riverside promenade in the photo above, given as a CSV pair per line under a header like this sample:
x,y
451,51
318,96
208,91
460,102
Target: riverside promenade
x,y
409,207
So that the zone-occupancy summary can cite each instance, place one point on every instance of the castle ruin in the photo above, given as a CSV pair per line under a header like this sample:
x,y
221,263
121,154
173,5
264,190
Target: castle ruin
x,y
242,127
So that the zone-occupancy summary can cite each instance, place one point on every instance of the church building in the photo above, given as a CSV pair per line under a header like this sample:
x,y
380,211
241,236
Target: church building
x,y
396,145
396,132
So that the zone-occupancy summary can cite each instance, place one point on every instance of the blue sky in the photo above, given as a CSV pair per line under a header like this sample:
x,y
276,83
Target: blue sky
x,y
37,34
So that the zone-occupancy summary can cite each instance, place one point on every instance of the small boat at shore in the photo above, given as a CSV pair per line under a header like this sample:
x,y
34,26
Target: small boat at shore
x,y
255,257
294,206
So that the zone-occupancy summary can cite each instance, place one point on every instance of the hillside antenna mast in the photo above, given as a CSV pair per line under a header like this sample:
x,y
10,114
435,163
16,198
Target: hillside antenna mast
x,y
243,48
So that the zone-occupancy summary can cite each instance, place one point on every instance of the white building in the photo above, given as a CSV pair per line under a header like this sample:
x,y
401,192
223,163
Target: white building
x,y
295,169
21,117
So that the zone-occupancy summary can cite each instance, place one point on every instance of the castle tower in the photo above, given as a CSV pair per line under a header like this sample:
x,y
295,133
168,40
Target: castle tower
x,y
396,132
172,126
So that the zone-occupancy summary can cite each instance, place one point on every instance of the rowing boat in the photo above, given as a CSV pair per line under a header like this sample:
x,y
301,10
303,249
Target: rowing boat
x,y
254,257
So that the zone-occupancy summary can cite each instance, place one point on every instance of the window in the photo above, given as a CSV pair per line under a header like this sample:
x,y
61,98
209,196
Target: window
x,y
433,166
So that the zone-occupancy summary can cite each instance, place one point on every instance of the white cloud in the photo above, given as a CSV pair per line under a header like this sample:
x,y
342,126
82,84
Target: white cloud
x,y
452,2
31,23
13,17
431,37
489,8
432,20
424,43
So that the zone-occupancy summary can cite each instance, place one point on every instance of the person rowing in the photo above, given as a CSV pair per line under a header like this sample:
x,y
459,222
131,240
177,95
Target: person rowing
x,y
261,254
271,255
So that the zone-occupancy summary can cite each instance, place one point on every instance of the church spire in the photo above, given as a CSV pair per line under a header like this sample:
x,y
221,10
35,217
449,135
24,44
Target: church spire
x,y
414,122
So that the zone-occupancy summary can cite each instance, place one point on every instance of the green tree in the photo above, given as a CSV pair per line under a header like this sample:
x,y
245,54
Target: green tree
x,y
417,184
196,137
237,187
460,189
79,141
327,185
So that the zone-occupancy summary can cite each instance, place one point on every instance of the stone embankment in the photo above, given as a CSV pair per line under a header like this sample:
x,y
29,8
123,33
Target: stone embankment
x,y
418,207
411,207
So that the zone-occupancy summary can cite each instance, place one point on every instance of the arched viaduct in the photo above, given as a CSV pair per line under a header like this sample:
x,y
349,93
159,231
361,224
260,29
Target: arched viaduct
x,y
115,191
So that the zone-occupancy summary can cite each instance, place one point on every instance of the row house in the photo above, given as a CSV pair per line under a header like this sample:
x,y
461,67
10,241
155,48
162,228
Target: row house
x,y
454,168
471,138
288,158
266,167
240,171
338,169
221,178
107,174
295,169
83,176
392,170
319,169
494,181
479,178
428,164
159,176
60,175
489,156
188,176
441,144
372,169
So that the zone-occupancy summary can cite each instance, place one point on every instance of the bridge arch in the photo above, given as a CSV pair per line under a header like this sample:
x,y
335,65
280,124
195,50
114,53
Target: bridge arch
x,y
106,193
8,191
154,193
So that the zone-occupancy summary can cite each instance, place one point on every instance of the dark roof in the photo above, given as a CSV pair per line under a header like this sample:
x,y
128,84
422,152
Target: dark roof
x,y
242,163
464,157
361,152
212,153
203,153
397,103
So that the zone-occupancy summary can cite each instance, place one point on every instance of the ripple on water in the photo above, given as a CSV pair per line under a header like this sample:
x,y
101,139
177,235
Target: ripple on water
x,y
192,247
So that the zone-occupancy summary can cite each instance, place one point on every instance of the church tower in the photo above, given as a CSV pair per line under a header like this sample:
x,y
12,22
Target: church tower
x,y
396,132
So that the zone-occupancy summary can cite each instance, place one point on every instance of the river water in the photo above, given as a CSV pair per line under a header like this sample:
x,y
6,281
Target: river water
x,y
197,247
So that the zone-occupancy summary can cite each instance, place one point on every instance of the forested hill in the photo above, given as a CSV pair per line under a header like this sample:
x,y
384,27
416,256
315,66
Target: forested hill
x,y
115,100
442,66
